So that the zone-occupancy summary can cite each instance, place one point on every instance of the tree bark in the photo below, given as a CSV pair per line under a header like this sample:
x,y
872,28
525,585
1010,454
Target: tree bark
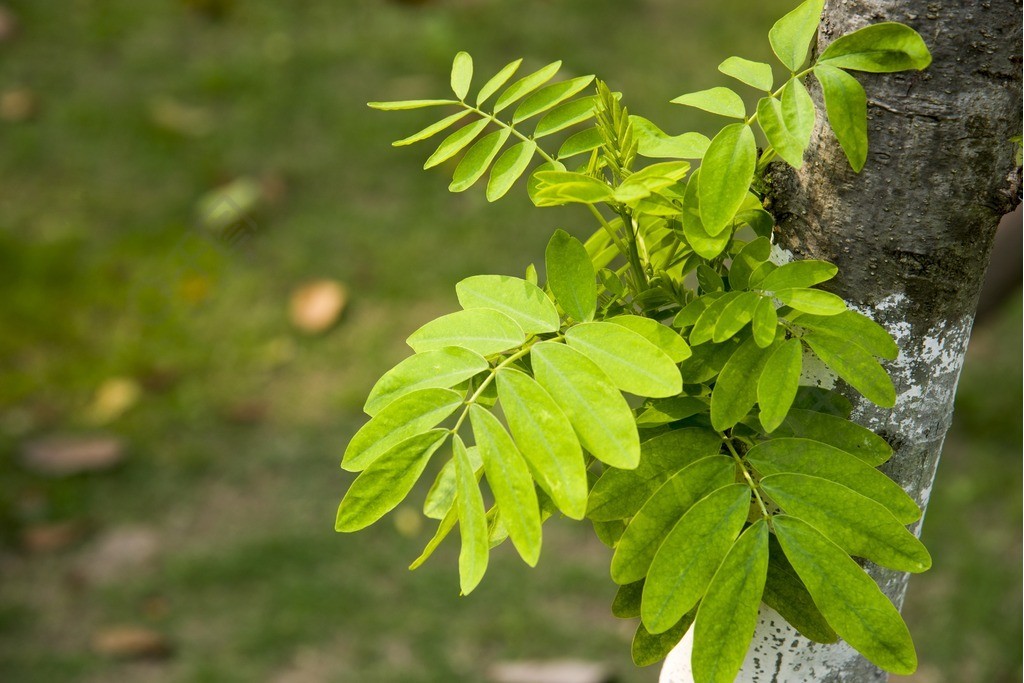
x,y
912,235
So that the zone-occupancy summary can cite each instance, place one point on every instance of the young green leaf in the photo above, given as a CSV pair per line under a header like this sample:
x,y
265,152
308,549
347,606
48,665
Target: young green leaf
x,y
566,115
785,142
846,104
441,495
640,542
838,432
472,521
499,79
546,440
483,330
402,418
765,322
798,274
727,615
619,494
649,648
511,483
462,74
508,169
735,316
665,411
477,160
550,96
735,392
690,555
755,74
791,35
878,48
854,365
655,143
626,604
803,456
443,529
597,411
662,336
526,85
432,129
586,140
692,312
753,254
725,176
721,101
855,523
704,329
856,328
847,597
632,363
402,105
814,301
520,300
798,112
571,276
785,593
455,143
437,369
387,480
777,385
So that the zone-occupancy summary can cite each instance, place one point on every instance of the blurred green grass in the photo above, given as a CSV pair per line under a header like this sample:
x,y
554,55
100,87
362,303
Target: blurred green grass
x,y
143,108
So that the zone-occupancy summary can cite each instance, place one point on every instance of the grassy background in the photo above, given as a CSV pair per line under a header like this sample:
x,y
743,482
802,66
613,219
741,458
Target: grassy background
x,y
106,271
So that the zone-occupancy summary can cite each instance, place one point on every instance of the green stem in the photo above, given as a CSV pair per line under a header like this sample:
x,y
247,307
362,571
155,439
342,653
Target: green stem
x,y
635,263
494,119
746,475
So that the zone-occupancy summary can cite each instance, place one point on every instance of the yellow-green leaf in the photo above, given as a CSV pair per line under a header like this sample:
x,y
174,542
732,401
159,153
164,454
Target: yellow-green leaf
x,y
482,330
634,364
472,521
462,74
477,160
776,388
437,369
725,176
524,302
721,101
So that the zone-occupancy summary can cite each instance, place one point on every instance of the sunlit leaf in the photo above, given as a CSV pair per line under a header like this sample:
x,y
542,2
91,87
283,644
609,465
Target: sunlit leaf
x,y
526,85
437,369
482,330
550,96
721,101
846,104
791,35
462,74
499,79
735,392
477,160
472,521
630,361
571,276
854,365
879,48
725,176
755,74
776,388
432,129
455,143
520,300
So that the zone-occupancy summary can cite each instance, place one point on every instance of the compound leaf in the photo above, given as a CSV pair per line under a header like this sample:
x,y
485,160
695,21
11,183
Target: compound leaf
x,y
798,112
798,274
838,432
765,322
856,328
785,593
509,167
526,85
499,79
455,143
662,336
814,301
785,142
649,648
401,105
432,129
578,143
752,255
549,96
566,115
655,143
477,160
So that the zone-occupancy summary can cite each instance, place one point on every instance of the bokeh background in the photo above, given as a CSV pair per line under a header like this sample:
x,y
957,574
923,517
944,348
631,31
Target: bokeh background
x,y
170,430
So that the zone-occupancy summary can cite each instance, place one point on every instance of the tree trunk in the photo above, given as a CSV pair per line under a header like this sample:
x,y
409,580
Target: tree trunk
x,y
911,235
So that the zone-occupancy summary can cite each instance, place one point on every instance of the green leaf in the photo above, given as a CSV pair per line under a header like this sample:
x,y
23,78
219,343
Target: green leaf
x,y
520,300
632,363
791,35
707,361
566,115
721,101
626,604
621,493
550,96
725,176
508,169
703,330
735,391
727,615
813,301
438,369
735,316
655,143
646,531
597,411
510,481
838,432
785,593
855,523
798,112
847,597
690,555
823,401
462,74
455,143
408,104
441,495
649,648
755,74
709,280
432,129
753,254
546,439
856,328
477,160
878,48
773,123
571,276
472,521
482,330
499,79
443,529
692,312
526,85
406,416
778,383
662,336
668,410
854,365
803,456
703,243
561,187
386,481
846,104
765,322
584,141
798,274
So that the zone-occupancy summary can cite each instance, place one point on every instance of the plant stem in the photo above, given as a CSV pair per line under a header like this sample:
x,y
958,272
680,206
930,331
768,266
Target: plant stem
x,y
746,475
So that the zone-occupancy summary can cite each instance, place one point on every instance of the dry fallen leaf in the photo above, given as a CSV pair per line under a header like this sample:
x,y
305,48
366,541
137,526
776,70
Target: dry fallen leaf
x,y
131,642
316,306
18,105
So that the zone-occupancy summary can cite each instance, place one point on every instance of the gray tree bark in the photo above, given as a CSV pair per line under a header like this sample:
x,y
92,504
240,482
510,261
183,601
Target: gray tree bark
x,y
912,235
